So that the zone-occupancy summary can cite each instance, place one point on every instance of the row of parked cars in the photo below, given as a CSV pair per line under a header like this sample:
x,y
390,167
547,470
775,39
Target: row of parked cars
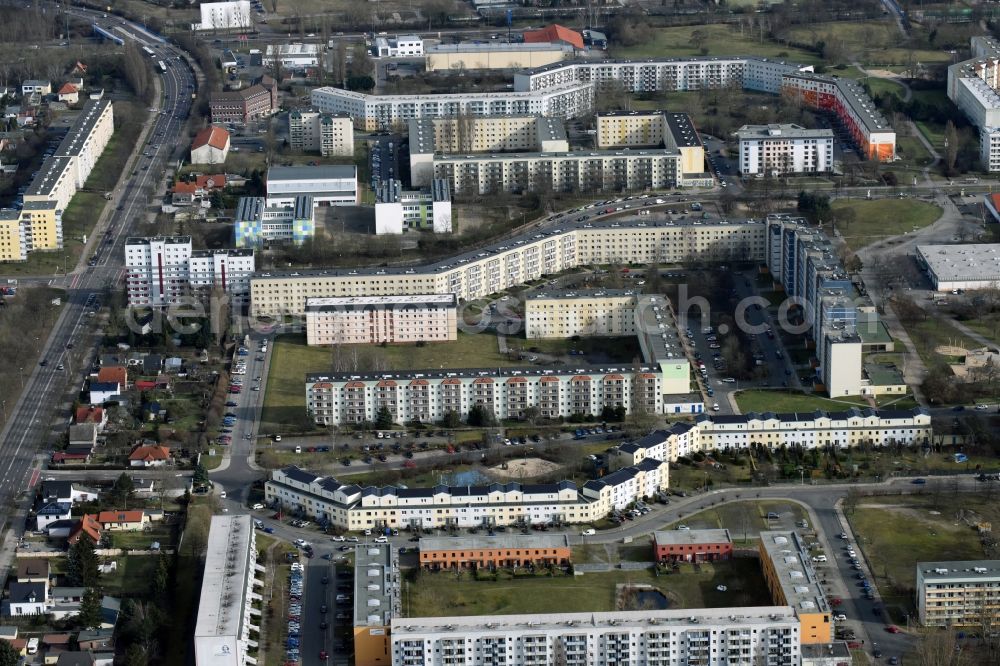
x,y
296,578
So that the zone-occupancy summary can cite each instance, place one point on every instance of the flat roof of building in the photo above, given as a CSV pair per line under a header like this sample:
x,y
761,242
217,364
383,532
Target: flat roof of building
x,y
855,96
658,329
82,127
349,302
445,97
513,243
295,48
782,131
495,46
229,251
572,154
682,129
569,294
38,205
476,373
657,61
422,131
494,542
693,617
973,262
48,175
881,374
146,240
322,172
957,570
690,537
227,566
872,329
376,585
836,650
794,570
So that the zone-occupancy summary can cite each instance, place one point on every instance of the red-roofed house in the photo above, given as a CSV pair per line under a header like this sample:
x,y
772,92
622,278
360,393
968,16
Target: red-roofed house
x,y
184,193
69,94
210,146
95,415
554,34
87,525
149,456
114,373
211,181
122,521
70,457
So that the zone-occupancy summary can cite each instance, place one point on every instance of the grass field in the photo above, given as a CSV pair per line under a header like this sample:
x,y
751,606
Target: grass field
x,y
931,333
759,400
720,40
292,359
884,86
871,42
883,218
912,150
442,594
933,132
897,532
746,520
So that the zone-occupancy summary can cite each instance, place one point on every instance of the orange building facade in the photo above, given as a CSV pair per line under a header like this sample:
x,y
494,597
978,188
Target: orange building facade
x,y
495,551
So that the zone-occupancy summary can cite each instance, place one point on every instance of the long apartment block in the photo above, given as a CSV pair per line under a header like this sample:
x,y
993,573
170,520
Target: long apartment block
x,y
973,86
958,593
517,260
792,581
377,319
352,507
774,150
845,98
810,430
375,112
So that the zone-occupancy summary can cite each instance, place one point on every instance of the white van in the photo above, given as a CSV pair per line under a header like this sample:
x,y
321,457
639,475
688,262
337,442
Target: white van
x,y
298,449
590,532
32,646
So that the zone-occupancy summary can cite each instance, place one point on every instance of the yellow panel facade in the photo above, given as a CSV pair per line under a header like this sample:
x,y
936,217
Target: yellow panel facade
x,y
371,646
493,59
11,243
45,224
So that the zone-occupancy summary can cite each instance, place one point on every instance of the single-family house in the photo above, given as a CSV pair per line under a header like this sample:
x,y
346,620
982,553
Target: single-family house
x,y
152,364
69,93
76,659
73,457
65,601
104,392
26,599
149,456
83,436
210,146
67,491
90,414
35,87
113,373
184,194
93,640
111,609
154,410
88,527
26,116
123,521
50,513
8,632
32,570
145,487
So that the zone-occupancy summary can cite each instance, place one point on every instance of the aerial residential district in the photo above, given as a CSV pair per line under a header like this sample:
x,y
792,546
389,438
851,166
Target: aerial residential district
x,y
500,333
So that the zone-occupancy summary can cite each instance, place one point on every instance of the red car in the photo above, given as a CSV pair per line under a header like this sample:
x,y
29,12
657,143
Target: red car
x,y
892,629
836,601
322,655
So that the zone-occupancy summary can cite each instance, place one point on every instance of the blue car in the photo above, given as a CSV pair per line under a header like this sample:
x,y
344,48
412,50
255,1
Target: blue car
x,y
919,482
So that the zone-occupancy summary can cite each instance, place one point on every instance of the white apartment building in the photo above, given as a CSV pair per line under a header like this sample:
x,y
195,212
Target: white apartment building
x,y
584,312
87,138
352,507
514,261
401,46
259,221
323,133
846,429
681,74
335,185
228,270
958,593
775,150
377,112
56,181
397,209
161,271
234,15
292,56
228,588
767,635
377,319
429,395
972,86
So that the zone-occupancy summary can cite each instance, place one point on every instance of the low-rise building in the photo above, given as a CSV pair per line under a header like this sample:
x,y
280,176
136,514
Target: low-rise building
x,y
146,455
397,209
792,581
381,319
776,150
123,521
210,146
36,87
554,34
335,185
292,56
493,55
225,612
259,221
503,550
401,46
104,392
961,266
328,134
958,593
244,105
692,545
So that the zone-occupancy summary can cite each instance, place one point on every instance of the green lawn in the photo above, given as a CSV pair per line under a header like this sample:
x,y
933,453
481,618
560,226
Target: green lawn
x,y
719,40
612,350
133,577
883,218
761,400
884,86
746,520
443,595
285,395
933,132
912,150
931,333
897,532
871,42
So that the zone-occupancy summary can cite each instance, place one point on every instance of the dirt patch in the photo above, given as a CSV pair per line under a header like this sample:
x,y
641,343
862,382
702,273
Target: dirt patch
x,y
523,468
951,350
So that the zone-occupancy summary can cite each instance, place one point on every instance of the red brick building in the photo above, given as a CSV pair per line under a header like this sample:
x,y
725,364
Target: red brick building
x,y
692,545
241,106
508,550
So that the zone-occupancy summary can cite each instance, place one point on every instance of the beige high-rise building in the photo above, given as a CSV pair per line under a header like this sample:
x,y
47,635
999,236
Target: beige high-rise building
x,y
377,319
653,129
585,312
325,133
